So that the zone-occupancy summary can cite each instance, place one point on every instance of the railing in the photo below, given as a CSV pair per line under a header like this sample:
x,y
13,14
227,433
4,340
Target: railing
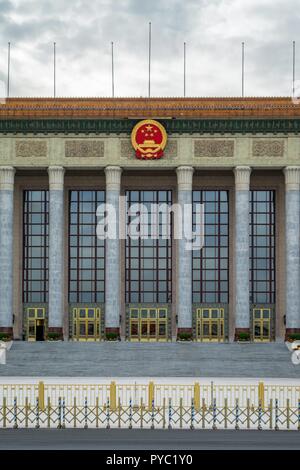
x,y
166,416
148,392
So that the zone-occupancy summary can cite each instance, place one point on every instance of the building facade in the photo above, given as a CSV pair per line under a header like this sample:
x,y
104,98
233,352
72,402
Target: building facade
x,y
62,158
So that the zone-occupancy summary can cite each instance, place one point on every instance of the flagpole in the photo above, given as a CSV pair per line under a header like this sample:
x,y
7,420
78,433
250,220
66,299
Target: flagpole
x,y
54,69
8,70
243,69
294,67
149,77
184,69
112,71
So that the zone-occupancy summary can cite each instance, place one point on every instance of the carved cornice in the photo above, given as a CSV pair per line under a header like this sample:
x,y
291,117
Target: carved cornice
x,y
116,126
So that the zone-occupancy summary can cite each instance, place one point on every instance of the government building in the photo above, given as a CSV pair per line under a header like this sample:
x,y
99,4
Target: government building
x,y
62,158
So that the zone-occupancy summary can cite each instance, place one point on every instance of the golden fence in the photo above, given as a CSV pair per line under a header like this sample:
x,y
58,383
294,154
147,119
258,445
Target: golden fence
x,y
167,416
148,392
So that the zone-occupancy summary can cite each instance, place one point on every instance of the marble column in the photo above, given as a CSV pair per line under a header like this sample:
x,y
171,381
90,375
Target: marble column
x,y
184,261
242,250
112,254
7,174
56,252
292,240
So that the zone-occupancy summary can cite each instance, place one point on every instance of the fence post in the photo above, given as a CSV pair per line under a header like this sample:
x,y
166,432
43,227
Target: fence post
x,y
108,414
119,412
225,411
180,412
248,413
261,394
48,412
141,412
237,416
299,415
41,395
271,413
203,413
150,394
276,415
259,416
214,415
152,415
37,414
170,414
197,396
130,414
164,412
288,413
113,396
85,414
63,413
26,412
59,413
15,414
4,412
192,414
75,413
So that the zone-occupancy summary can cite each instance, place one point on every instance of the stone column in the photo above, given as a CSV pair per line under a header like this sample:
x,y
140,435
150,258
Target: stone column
x,y
184,261
7,174
292,240
56,252
112,254
242,250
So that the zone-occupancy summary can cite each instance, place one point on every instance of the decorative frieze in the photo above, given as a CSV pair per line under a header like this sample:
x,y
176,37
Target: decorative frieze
x,y
170,152
267,148
31,148
84,149
206,148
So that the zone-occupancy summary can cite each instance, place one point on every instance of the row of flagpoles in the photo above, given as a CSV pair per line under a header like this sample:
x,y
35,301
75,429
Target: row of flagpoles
x,y
149,68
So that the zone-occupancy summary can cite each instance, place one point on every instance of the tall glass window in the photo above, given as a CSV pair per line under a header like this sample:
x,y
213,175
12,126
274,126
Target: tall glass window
x,y
35,246
262,247
86,251
149,262
210,264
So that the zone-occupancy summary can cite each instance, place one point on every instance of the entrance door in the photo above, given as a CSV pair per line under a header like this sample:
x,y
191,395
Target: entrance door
x,y
86,324
262,324
36,324
210,324
148,324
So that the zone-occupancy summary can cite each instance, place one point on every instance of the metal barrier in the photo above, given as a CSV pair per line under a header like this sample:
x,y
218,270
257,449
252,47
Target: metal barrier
x,y
169,415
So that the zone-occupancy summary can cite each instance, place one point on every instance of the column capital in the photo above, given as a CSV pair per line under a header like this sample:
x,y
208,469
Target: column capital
x,y
242,177
56,177
185,177
113,177
7,175
292,177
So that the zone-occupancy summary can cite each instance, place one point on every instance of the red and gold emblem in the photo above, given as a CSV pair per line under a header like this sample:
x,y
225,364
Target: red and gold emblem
x,y
149,139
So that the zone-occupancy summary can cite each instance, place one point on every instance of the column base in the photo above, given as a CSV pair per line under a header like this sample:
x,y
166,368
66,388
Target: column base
x,y
7,332
242,334
112,334
289,332
55,333
185,334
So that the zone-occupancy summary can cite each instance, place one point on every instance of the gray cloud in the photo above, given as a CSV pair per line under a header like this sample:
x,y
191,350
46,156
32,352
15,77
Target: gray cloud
x,y
213,30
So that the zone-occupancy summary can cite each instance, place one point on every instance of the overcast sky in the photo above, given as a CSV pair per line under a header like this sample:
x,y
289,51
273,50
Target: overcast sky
x,y
212,29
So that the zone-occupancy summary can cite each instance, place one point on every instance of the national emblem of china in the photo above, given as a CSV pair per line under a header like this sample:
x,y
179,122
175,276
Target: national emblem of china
x,y
149,139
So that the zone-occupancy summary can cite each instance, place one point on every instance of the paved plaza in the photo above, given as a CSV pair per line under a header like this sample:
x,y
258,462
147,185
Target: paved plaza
x,y
68,359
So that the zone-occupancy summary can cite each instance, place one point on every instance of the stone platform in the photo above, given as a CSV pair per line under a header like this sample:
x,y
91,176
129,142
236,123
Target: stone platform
x,y
123,359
